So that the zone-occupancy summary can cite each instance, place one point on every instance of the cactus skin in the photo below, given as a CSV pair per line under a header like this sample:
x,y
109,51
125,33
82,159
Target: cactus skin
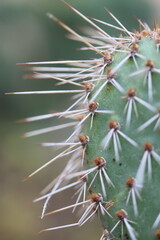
x,y
133,167
130,156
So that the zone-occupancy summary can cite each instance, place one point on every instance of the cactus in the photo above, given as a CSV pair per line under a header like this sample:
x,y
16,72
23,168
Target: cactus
x,y
113,151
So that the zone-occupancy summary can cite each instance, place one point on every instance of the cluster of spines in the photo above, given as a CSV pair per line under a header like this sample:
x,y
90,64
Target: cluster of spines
x,y
94,75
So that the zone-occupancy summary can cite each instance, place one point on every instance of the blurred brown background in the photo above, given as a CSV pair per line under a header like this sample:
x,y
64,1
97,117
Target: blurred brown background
x,y
26,34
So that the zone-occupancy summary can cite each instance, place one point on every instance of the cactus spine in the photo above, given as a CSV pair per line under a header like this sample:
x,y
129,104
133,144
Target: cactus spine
x,y
114,148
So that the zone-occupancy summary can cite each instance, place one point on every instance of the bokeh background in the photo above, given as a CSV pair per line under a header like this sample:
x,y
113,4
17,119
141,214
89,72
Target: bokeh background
x,y
26,34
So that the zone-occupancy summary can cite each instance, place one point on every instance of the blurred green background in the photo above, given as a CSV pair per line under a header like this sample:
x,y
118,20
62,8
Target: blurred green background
x,y
26,34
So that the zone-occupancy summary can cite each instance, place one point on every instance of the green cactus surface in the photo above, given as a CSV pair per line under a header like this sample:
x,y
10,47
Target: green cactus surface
x,y
114,149
122,170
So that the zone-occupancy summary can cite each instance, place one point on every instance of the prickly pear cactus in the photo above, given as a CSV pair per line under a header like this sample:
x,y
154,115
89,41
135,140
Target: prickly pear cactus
x,y
114,149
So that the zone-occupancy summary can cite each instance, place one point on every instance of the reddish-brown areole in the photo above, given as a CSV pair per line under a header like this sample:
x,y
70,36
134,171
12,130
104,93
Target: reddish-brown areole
x,y
80,117
107,58
148,146
96,197
88,86
157,233
84,140
110,73
130,182
99,162
93,106
83,178
150,64
121,214
134,48
114,124
131,92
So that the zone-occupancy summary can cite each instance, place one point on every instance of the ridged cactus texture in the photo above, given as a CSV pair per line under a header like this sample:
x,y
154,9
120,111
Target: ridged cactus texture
x,y
114,149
